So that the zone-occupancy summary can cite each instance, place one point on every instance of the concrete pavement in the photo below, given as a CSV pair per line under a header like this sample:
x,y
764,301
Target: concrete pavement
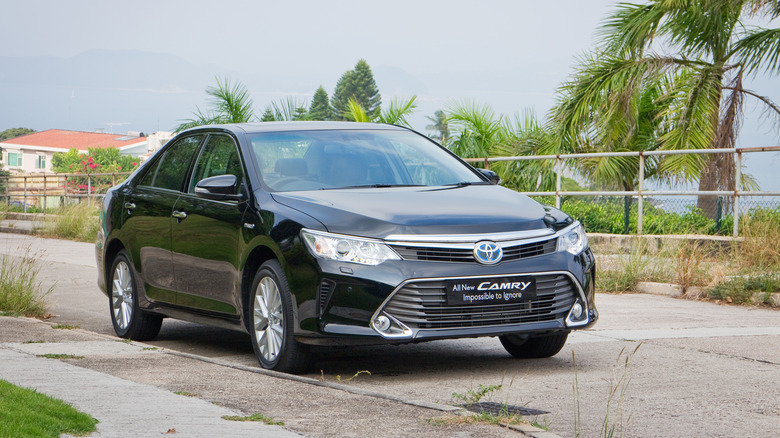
x,y
703,369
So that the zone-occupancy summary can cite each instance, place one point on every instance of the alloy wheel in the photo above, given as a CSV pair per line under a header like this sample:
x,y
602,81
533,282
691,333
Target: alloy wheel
x,y
122,295
268,319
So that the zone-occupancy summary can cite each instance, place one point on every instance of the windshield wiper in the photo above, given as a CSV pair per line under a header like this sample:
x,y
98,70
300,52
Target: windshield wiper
x,y
372,186
465,184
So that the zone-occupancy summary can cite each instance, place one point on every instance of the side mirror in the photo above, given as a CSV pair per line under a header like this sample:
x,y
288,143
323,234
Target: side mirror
x,y
491,176
219,188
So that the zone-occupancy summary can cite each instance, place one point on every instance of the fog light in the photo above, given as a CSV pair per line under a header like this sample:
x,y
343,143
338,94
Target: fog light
x,y
576,310
382,323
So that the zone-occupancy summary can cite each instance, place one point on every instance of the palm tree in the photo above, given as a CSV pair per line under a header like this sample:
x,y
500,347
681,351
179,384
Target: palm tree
x,y
230,103
705,50
477,129
394,115
440,126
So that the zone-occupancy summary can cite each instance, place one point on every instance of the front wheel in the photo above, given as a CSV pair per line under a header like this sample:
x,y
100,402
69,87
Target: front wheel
x,y
272,322
128,319
534,347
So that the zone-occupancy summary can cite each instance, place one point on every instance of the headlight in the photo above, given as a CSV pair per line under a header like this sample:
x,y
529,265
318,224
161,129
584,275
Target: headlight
x,y
347,248
573,240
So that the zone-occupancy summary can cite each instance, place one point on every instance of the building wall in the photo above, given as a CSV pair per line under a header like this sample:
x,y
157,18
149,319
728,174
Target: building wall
x,y
30,160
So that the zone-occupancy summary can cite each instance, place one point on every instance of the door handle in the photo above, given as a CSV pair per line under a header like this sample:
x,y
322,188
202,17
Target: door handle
x,y
179,214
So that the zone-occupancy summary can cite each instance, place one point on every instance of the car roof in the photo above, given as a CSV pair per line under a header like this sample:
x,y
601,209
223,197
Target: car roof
x,y
251,128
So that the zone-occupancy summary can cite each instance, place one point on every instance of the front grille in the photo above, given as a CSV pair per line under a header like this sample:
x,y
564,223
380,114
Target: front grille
x,y
423,305
444,254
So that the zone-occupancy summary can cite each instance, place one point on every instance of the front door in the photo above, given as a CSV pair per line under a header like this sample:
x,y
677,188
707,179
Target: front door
x,y
206,236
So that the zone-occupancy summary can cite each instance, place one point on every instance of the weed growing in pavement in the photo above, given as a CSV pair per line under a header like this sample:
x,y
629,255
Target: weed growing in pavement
x,y
615,422
21,292
59,356
65,327
184,393
338,377
254,417
472,397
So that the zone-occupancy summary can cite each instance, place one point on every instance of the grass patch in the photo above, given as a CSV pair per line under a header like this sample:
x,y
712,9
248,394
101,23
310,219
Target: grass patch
x,y
65,327
254,417
745,290
27,413
59,356
184,393
20,290
77,221
473,418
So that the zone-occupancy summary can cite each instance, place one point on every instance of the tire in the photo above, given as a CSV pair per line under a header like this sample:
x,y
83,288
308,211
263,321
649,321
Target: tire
x,y
534,347
272,322
129,321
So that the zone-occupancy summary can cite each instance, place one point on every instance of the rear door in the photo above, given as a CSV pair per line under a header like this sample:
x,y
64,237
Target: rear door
x,y
147,217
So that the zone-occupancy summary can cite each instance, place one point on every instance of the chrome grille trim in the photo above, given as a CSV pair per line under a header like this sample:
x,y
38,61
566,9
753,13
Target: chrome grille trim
x,y
464,252
420,304
423,306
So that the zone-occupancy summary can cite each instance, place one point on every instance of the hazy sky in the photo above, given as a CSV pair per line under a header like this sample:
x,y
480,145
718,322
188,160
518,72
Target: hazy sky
x,y
321,36
510,54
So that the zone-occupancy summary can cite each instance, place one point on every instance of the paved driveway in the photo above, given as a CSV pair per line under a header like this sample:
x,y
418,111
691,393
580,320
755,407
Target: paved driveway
x,y
659,366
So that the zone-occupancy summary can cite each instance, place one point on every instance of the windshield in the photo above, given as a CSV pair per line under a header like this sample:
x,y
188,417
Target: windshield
x,y
336,159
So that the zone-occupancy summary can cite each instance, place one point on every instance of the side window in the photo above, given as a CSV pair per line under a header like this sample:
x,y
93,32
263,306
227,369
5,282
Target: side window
x,y
170,171
219,157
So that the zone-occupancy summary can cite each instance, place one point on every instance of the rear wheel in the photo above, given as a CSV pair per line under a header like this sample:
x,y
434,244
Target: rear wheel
x,y
128,319
272,322
534,347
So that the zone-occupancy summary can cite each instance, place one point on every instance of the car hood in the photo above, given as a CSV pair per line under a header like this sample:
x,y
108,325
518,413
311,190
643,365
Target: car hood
x,y
380,212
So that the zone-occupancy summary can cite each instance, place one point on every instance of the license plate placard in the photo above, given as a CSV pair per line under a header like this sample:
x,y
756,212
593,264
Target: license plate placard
x,y
490,291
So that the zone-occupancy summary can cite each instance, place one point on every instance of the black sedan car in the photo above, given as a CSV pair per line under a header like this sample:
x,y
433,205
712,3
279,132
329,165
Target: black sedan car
x,y
330,233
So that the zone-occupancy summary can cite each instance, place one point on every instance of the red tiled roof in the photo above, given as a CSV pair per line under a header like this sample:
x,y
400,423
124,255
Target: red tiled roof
x,y
60,138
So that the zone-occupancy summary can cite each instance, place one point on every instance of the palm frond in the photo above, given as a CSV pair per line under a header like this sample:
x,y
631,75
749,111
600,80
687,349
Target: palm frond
x,y
759,50
356,112
398,110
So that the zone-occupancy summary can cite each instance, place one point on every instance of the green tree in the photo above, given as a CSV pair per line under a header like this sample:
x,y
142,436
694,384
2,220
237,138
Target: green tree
x,y
15,132
700,50
439,126
320,106
357,84
230,103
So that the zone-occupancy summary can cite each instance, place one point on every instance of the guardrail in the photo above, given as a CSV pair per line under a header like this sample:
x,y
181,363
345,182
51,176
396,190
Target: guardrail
x,y
641,193
50,190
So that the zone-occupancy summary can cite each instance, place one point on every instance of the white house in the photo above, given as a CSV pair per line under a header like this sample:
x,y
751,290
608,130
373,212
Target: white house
x,y
32,153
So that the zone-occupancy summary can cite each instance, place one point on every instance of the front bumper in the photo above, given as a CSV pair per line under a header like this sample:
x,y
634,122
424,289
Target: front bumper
x,y
343,305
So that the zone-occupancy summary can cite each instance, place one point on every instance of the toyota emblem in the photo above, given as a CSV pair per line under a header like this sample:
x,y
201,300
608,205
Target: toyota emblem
x,y
487,253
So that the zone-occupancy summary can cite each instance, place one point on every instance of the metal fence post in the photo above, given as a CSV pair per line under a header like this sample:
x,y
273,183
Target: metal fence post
x,y
89,186
558,168
24,195
640,217
737,183
44,195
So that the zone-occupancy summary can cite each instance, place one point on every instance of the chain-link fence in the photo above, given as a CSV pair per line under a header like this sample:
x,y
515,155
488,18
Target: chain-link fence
x,y
653,211
662,214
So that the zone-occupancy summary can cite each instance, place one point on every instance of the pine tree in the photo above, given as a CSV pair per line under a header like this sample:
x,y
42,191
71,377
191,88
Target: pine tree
x,y
357,84
320,108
